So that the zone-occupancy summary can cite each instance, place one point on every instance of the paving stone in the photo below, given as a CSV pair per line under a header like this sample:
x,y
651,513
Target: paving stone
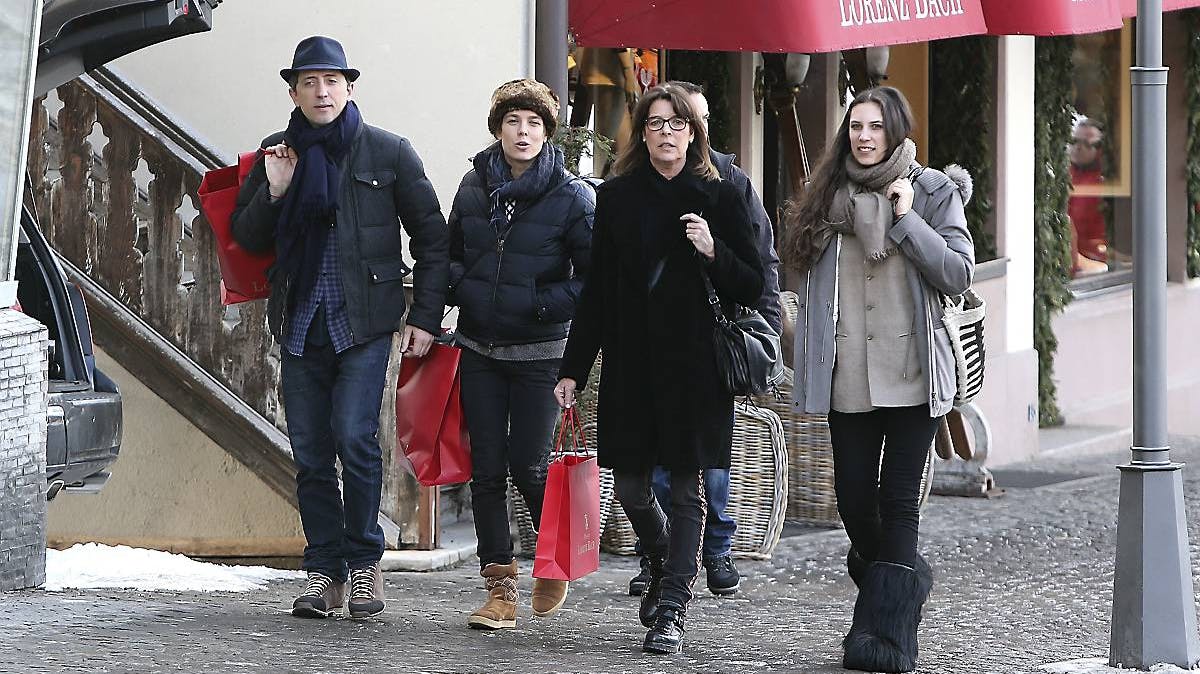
x,y
1022,580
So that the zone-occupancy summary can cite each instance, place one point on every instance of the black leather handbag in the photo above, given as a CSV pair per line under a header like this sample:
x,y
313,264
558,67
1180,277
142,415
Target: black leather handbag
x,y
747,349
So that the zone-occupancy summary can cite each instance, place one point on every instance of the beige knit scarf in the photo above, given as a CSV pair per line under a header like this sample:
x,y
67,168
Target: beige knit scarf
x,y
861,207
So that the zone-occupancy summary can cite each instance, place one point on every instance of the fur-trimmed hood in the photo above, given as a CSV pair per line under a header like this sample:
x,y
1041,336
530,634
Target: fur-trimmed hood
x,y
953,176
962,178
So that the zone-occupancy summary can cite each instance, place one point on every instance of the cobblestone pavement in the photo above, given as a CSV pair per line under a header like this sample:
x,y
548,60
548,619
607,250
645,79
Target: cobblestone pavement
x,y
1022,580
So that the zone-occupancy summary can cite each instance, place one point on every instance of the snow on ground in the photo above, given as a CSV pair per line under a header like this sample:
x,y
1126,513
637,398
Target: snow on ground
x,y
95,566
1100,666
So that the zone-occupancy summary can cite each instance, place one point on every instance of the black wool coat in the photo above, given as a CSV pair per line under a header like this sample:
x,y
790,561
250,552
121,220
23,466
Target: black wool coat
x,y
519,286
645,307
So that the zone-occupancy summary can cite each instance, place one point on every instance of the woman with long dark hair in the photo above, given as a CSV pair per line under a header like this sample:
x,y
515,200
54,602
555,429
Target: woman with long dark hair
x,y
663,222
875,240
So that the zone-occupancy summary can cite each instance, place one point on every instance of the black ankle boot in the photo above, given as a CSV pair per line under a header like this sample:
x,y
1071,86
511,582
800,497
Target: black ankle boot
x,y
883,637
666,636
637,584
652,591
856,566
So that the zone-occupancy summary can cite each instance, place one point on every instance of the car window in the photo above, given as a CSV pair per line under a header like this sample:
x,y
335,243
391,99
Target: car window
x,y
18,40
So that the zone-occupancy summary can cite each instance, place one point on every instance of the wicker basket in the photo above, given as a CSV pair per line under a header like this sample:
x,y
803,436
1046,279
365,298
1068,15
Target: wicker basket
x,y
758,488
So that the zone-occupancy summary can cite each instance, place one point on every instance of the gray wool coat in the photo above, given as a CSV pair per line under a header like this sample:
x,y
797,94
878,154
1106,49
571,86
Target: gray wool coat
x,y
934,238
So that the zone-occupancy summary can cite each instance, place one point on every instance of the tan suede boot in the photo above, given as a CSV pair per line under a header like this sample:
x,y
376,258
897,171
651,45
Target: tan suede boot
x,y
500,611
548,596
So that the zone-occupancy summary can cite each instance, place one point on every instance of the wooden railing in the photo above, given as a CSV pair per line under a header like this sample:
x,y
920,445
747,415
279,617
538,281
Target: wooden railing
x,y
115,183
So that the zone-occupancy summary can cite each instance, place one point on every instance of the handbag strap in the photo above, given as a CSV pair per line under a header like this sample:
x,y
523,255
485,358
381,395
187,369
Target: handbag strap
x,y
713,301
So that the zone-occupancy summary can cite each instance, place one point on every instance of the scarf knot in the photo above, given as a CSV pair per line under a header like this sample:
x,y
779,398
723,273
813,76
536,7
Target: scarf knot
x,y
511,195
310,205
861,206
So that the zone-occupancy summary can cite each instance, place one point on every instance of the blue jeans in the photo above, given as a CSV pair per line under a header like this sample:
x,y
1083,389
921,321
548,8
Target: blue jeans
x,y
718,527
332,403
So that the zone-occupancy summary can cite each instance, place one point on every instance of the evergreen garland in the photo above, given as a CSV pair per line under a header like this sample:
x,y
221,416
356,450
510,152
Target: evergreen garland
x,y
1192,19
960,117
709,69
1053,114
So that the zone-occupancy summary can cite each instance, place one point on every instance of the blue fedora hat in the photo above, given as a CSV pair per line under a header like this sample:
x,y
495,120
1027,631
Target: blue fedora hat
x,y
319,53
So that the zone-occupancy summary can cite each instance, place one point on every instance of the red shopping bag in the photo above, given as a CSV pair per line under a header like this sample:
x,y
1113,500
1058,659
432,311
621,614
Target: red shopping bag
x,y
243,274
568,545
431,431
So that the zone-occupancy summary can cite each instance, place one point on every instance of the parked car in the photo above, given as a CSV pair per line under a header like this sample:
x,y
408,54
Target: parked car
x,y
84,413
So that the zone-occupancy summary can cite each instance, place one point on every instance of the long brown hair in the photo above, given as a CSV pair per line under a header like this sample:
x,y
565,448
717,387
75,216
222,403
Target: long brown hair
x,y
636,154
798,244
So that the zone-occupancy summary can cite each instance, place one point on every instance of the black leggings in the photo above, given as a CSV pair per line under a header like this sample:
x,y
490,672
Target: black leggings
x,y
879,503
510,411
676,538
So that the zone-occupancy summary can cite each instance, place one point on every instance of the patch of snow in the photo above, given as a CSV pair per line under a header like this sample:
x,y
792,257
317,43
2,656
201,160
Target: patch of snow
x,y
95,566
1100,666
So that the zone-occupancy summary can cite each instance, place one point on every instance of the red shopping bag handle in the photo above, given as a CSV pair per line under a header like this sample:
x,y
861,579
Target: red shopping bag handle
x,y
577,438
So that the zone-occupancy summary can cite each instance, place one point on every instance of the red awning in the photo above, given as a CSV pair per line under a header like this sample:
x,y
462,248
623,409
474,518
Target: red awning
x,y
1130,7
1051,17
809,26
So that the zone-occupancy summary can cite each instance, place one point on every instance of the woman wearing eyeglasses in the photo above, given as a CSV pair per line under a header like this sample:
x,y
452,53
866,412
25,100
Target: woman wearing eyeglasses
x,y
663,220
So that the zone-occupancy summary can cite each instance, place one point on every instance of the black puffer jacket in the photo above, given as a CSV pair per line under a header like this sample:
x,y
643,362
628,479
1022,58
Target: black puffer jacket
x,y
519,286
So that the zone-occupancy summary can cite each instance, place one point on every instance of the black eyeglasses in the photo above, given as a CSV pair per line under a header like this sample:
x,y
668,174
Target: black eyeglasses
x,y
676,123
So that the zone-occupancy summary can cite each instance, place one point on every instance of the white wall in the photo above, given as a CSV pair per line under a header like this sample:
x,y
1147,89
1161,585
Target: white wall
x,y
428,70
1014,173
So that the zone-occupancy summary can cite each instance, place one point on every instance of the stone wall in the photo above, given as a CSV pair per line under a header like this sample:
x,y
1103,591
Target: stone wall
x,y
22,451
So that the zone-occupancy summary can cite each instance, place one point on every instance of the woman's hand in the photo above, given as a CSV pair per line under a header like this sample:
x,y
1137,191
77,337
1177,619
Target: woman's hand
x,y
699,234
901,192
564,392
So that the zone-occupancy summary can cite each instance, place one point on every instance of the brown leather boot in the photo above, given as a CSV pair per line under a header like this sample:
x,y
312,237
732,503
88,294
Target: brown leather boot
x,y
548,596
500,611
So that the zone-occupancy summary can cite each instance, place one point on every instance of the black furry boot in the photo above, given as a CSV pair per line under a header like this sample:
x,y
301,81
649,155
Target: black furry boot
x,y
883,637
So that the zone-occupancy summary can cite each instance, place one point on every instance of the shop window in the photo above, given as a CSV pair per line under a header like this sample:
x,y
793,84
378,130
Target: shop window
x,y
1100,154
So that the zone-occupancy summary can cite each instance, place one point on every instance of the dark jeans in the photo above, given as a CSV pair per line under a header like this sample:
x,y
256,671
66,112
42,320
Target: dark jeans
x,y
510,411
879,502
332,404
676,538
719,528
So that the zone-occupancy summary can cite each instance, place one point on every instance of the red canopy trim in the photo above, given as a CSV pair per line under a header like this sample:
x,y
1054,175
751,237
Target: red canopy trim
x,y
1051,17
1130,7
808,26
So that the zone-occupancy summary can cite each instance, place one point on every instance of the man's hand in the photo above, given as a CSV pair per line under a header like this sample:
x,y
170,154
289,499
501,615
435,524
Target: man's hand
x,y
280,161
415,342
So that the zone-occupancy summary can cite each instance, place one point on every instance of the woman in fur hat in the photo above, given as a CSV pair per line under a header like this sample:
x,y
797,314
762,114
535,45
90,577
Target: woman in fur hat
x,y
520,236
875,239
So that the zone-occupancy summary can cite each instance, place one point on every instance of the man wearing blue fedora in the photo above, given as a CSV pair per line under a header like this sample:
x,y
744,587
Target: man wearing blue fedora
x,y
329,196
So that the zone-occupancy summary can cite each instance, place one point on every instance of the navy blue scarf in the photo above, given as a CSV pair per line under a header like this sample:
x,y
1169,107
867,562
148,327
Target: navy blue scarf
x,y
311,200
539,177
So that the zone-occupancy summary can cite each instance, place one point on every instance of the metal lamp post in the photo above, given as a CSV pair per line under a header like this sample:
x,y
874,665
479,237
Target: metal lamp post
x,y
1154,612
550,50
